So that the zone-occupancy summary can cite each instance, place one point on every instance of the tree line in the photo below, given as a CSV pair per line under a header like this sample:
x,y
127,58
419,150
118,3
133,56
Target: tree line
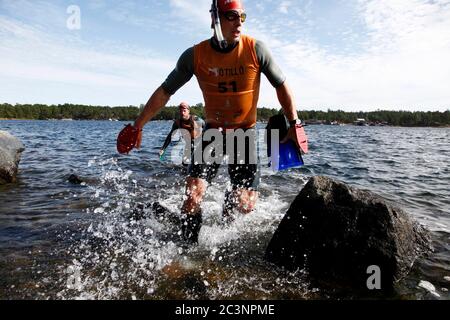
x,y
129,113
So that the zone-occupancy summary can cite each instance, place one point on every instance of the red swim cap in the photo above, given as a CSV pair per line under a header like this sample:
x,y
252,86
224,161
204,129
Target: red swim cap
x,y
227,5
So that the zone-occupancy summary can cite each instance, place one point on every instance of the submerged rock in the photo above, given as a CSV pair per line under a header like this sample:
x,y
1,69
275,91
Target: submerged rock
x,y
156,210
11,149
74,179
337,232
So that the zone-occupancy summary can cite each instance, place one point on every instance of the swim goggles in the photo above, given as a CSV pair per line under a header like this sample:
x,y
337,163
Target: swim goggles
x,y
234,15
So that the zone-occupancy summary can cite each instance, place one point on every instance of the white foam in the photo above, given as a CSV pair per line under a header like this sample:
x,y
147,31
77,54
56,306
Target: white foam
x,y
429,287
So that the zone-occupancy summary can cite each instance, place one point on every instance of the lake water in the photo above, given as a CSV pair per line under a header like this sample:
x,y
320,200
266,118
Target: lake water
x,y
63,241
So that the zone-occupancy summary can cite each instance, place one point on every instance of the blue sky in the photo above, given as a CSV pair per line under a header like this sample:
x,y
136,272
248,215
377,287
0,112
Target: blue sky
x,y
351,55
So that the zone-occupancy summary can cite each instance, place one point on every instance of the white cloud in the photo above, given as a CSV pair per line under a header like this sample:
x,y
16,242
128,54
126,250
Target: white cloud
x,y
193,14
403,64
97,4
29,54
284,7
38,12
143,16
260,7
398,58
41,64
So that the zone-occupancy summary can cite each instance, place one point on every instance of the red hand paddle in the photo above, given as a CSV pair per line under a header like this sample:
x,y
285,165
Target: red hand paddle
x,y
302,139
127,139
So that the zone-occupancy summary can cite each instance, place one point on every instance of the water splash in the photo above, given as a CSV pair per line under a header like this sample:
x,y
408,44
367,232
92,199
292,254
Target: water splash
x,y
119,257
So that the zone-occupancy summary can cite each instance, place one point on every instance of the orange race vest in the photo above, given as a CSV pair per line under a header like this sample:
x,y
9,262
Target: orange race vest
x,y
229,82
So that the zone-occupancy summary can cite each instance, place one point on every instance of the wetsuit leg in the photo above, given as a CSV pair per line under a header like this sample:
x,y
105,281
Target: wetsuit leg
x,y
190,227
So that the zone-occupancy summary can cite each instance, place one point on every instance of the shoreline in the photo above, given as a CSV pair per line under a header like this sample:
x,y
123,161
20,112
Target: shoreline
x,y
347,124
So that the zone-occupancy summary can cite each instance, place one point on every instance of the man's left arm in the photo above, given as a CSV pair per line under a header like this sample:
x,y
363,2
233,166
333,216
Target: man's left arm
x,y
286,99
278,81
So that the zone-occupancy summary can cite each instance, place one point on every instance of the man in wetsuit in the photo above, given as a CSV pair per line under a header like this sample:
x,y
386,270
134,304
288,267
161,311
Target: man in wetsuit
x,y
193,124
228,68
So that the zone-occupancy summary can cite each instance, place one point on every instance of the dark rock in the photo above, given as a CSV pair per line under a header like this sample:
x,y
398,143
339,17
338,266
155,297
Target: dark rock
x,y
138,212
336,232
74,179
11,149
153,209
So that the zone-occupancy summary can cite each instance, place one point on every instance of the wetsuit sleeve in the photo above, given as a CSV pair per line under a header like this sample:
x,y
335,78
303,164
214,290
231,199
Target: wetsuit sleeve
x,y
169,136
202,123
268,65
182,73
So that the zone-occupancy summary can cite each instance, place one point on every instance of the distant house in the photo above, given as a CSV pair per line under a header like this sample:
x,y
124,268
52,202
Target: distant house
x,y
360,122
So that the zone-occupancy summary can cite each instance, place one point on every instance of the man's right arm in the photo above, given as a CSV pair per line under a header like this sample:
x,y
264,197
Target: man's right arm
x,y
182,73
156,102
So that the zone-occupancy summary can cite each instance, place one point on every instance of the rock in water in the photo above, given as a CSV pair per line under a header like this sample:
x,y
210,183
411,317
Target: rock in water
x,y
155,209
336,232
429,287
11,149
74,179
